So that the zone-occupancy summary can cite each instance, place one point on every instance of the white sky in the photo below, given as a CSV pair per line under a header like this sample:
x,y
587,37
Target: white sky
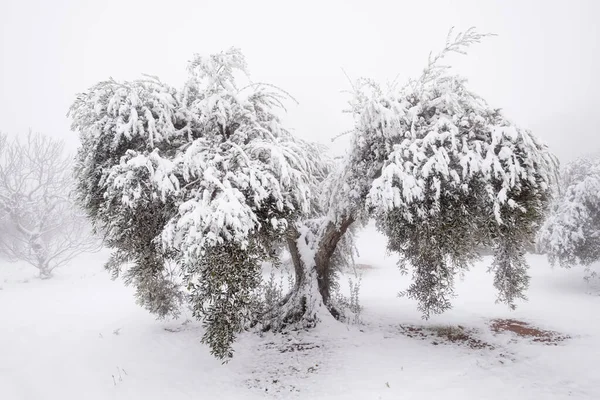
x,y
542,69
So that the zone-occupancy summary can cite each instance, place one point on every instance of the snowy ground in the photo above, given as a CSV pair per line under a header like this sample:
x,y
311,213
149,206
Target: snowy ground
x,y
81,336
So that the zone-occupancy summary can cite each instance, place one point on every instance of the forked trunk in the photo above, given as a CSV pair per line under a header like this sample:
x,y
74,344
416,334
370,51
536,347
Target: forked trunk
x,y
305,305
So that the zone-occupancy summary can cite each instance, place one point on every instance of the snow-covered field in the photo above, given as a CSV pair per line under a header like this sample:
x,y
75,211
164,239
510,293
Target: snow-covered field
x,y
81,336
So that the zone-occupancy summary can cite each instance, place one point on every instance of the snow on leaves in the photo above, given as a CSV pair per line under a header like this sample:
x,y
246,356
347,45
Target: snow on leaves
x,y
571,234
443,173
212,159
233,155
443,139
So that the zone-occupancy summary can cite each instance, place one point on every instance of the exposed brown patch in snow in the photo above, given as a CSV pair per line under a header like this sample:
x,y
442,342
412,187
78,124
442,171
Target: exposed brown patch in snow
x,y
446,335
525,330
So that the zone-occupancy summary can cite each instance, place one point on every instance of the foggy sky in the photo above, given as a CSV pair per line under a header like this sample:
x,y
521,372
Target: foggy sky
x,y
542,68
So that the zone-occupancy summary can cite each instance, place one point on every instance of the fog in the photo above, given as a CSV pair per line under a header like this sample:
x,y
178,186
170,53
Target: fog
x,y
541,68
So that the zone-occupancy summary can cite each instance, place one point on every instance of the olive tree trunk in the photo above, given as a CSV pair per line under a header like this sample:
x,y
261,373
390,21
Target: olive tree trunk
x,y
309,301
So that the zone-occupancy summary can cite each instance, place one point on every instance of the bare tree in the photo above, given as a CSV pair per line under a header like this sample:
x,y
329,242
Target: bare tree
x,y
39,220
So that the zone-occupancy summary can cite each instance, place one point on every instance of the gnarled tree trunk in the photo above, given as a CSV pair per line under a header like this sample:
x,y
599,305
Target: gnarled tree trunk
x,y
313,279
327,245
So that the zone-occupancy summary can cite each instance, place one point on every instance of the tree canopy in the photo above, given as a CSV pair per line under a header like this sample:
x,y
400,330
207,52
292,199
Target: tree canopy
x,y
571,234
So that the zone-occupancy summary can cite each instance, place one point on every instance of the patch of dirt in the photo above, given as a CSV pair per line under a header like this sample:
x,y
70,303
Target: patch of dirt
x,y
446,335
523,329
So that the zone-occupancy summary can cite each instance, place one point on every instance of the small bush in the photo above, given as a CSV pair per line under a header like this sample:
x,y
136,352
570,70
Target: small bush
x,y
349,306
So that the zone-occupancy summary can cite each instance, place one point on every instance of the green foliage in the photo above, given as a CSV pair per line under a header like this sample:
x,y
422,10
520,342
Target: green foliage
x,y
222,284
204,180
444,174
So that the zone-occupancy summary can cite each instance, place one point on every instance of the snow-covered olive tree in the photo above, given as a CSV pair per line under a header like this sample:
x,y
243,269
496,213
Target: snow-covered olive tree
x,y
571,234
206,181
40,222
446,174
